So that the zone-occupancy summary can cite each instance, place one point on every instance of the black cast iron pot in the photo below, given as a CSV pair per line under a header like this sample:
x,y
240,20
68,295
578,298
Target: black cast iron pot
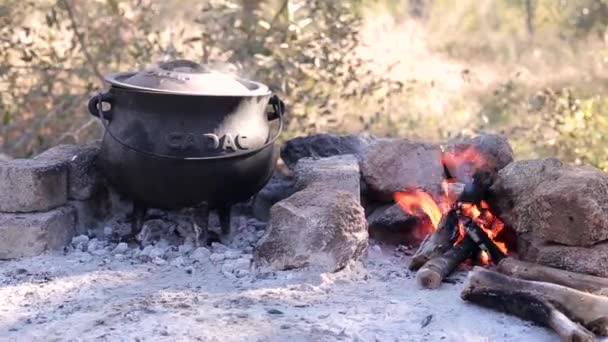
x,y
180,135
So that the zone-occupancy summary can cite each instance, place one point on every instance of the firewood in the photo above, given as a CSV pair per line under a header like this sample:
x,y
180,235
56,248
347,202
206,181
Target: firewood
x,y
435,270
529,271
529,307
483,240
476,189
486,288
439,241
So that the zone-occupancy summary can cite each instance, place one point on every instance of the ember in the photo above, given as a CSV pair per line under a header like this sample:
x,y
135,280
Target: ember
x,y
460,213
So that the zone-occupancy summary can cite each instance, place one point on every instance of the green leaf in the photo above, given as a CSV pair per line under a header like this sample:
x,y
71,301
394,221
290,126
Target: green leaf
x,y
6,118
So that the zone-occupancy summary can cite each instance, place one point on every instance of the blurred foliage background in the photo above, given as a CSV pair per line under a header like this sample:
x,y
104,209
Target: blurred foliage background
x,y
534,70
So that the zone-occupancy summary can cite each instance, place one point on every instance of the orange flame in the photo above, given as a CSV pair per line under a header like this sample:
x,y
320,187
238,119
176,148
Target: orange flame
x,y
465,161
420,204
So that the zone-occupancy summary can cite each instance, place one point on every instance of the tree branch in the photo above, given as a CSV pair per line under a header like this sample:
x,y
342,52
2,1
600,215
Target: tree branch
x,y
80,38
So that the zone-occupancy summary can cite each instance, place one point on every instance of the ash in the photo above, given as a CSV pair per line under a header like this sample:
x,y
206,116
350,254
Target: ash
x,y
171,290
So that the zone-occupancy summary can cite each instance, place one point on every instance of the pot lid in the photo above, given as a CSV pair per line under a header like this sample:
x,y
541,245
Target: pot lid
x,y
183,77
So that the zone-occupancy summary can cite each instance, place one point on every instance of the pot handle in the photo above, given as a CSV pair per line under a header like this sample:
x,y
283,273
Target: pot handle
x,y
95,106
278,108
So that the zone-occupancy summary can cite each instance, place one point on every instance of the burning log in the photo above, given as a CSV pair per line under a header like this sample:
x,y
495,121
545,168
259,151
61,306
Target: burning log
x,y
477,187
540,302
435,270
483,240
529,271
438,242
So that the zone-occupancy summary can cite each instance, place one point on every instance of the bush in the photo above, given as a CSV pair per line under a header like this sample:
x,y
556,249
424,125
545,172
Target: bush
x,y
55,53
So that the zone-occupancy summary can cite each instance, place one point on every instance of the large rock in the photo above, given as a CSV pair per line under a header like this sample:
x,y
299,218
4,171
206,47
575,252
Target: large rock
x,y
548,202
279,187
392,165
324,145
492,150
31,234
28,185
337,172
390,224
517,181
390,217
590,260
81,161
315,227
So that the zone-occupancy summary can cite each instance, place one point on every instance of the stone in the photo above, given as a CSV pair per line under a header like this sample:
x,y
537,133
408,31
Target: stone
x,y
99,252
158,252
93,244
242,264
392,165
177,262
257,224
29,185
279,187
185,249
217,257
228,266
217,247
82,170
515,182
232,254
338,172
146,251
242,273
489,152
121,248
390,217
24,235
557,204
324,145
589,260
229,275
390,224
315,227
200,254
159,261
80,240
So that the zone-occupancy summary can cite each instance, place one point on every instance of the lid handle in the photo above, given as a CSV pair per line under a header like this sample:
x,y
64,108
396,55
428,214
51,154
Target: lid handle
x,y
183,65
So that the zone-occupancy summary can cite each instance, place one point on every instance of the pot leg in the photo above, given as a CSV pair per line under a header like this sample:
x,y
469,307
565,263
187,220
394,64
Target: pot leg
x,y
137,220
200,224
224,215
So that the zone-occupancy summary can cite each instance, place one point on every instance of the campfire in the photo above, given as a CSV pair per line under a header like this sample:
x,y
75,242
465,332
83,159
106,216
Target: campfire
x,y
457,226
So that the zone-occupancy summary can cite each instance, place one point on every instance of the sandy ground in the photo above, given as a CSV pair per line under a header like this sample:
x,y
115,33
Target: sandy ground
x,y
78,296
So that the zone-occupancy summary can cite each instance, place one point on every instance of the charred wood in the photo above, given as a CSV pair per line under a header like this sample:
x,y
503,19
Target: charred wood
x,y
529,271
439,241
476,189
483,240
529,307
435,270
501,292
